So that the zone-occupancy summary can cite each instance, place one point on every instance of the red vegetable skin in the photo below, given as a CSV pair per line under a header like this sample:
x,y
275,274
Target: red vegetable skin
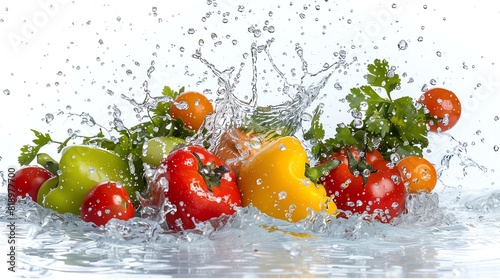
x,y
384,191
444,106
196,197
106,201
28,180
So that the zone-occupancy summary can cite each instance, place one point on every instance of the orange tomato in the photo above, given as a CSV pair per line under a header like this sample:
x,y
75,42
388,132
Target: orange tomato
x,y
418,174
444,106
192,107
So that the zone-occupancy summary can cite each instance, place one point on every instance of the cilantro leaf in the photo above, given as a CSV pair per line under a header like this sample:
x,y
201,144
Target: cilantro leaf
x,y
29,152
316,132
380,123
380,75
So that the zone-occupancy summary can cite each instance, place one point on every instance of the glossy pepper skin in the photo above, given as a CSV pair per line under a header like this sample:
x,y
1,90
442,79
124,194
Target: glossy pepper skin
x,y
83,167
199,184
274,181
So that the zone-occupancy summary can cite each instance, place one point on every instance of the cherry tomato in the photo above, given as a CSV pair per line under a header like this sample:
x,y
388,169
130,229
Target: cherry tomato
x,y
381,191
192,107
418,174
443,106
28,180
105,201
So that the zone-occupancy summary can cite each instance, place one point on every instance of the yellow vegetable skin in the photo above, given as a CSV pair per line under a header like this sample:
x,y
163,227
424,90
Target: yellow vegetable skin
x,y
273,180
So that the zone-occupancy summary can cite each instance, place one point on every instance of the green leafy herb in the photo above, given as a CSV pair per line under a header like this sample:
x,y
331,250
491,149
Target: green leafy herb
x,y
383,123
128,144
29,152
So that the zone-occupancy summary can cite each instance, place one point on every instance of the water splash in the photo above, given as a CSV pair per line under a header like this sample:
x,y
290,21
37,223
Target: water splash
x,y
231,111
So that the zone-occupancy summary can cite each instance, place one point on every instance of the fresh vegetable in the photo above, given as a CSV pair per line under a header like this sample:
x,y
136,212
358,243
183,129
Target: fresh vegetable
x,y
444,109
380,123
197,184
235,146
81,168
45,188
158,148
106,201
28,180
418,174
192,107
366,183
278,181
129,143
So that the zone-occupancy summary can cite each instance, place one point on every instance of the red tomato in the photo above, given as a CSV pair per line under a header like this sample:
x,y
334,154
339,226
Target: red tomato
x,y
28,180
444,106
418,174
106,201
198,184
383,192
192,107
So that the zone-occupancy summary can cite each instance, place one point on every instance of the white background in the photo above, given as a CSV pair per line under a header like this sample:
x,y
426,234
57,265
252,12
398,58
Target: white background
x,y
51,59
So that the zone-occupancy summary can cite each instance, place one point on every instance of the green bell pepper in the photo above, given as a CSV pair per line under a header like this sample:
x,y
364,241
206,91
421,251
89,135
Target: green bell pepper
x,y
83,167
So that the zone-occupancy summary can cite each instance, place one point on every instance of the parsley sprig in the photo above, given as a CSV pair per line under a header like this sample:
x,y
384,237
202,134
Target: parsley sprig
x,y
380,123
129,142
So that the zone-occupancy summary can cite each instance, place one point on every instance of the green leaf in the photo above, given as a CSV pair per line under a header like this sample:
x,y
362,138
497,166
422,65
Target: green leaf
x,y
380,75
380,123
316,132
29,152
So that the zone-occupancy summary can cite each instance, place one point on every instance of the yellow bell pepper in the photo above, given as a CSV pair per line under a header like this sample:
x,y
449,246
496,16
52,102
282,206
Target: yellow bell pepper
x,y
279,182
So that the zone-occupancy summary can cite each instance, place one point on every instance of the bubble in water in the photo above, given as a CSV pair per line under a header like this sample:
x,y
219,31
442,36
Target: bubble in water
x,y
495,148
6,92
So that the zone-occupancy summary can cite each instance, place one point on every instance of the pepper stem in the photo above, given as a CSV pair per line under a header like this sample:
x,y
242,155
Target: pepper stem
x,y
316,172
211,173
48,163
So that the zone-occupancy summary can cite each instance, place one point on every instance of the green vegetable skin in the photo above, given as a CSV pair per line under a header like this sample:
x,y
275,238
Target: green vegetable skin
x,y
82,168
158,148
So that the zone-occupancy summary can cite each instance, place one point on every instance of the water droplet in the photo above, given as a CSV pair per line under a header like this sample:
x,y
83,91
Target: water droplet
x,y
282,148
402,45
495,148
6,92
258,181
282,195
438,53
150,71
420,38
49,117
